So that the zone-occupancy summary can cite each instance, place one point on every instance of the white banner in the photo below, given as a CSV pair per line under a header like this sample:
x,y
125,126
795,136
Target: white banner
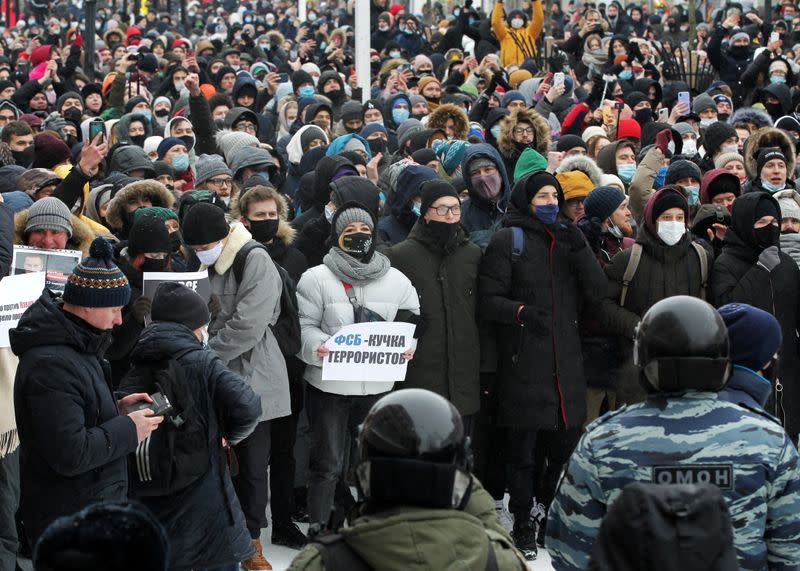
x,y
365,352
17,293
197,281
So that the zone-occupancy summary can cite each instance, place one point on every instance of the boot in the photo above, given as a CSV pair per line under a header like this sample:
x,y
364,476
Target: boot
x,y
256,562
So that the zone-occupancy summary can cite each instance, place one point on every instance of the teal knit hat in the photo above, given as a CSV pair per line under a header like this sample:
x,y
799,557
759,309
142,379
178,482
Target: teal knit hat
x,y
96,281
163,213
528,162
450,153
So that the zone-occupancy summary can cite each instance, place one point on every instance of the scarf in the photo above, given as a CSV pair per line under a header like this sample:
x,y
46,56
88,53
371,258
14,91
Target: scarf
x,y
9,439
350,270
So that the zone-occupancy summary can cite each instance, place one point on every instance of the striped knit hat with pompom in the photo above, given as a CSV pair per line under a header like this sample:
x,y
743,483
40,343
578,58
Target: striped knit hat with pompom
x,y
96,281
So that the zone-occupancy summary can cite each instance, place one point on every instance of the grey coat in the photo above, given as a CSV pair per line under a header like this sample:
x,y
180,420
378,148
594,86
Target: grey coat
x,y
240,333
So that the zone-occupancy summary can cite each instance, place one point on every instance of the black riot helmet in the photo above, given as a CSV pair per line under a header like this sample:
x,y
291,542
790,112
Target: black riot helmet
x,y
413,451
682,344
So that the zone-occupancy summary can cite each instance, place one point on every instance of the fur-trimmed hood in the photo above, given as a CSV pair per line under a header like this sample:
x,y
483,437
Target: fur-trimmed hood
x,y
439,116
82,234
768,137
751,115
541,132
583,164
157,192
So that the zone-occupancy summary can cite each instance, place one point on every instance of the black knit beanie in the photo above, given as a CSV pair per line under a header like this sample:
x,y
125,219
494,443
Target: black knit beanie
x,y
148,234
204,224
433,190
177,303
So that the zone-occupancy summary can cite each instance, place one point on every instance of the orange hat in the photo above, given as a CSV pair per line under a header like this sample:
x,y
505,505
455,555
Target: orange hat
x,y
518,77
208,90
425,81
109,79
575,184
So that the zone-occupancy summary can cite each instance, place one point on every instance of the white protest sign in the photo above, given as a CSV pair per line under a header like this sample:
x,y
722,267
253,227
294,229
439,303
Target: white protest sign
x,y
365,352
17,293
197,281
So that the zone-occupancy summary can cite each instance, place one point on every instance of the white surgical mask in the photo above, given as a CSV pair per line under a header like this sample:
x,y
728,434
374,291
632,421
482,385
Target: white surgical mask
x,y
689,148
707,122
730,149
209,257
517,23
329,212
671,232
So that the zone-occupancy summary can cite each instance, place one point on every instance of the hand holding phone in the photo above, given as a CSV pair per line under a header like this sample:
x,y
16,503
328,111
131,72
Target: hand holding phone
x,y
558,78
684,97
97,127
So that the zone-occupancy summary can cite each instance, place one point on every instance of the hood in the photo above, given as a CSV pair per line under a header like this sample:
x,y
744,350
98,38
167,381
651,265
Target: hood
x,y
409,182
124,124
541,132
157,192
235,114
758,117
768,137
162,340
328,75
310,159
485,151
782,94
743,216
718,176
357,189
130,158
643,85
337,145
82,234
649,219
607,158
93,201
583,164
294,149
387,110
44,323
326,168
242,80
438,118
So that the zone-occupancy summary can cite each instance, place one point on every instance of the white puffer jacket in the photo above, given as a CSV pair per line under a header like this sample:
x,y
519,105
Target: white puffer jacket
x,y
325,308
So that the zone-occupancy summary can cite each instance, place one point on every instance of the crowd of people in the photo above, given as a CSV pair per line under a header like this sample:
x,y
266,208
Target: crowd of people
x,y
522,191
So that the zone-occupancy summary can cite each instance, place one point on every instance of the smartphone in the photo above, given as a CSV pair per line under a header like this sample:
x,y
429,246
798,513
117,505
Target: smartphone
x,y
774,37
283,78
663,114
684,97
160,405
558,78
97,126
190,53
619,105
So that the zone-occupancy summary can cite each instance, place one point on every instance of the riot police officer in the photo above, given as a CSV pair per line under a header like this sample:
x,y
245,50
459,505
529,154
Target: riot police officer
x,y
422,508
684,433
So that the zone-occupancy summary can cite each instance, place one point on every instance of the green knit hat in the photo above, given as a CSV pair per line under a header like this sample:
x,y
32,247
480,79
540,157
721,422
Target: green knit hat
x,y
163,213
528,162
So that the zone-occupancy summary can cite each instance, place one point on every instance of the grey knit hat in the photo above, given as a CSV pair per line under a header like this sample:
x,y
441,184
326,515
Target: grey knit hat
x,y
231,141
480,163
703,102
723,159
248,157
681,169
352,214
684,129
49,214
789,201
209,166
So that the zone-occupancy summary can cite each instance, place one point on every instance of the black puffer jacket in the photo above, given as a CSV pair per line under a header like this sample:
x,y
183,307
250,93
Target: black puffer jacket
x,y
540,373
737,277
204,522
73,439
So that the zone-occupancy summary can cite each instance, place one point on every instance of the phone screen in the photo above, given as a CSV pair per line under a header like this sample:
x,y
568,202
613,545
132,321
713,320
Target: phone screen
x,y
96,127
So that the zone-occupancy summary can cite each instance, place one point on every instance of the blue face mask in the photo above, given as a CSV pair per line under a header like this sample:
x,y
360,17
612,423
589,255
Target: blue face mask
x,y
625,74
547,213
416,208
146,114
660,177
692,194
769,187
205,339
306,91
495,131
380,122
626,172
180,163
400,115
777,79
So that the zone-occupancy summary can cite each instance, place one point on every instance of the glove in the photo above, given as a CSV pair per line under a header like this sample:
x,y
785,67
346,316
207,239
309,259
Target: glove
x,y
592,229
571,237
214,305
769,258
663,139
140,308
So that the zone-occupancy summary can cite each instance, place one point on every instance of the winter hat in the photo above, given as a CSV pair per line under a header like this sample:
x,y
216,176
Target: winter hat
x,y
96,281
301,77
433,190
789,202
151,144
148,234
312,133
9,175
518,76
629,128
352,213
569,142
165,145
715,135
49,214
34,180
718,181
663,201
602,201
593,131
424,156
248,157
204,224
682,169
768,154
754,335
683,128
160,211
767,208
450,153
17,200
148,63
703,102
351,110
176,303
371,128
535,182
529,161
209,166
231,141
633,98
513,95
740,35
428,79
49,151
575,184
723,159
479,163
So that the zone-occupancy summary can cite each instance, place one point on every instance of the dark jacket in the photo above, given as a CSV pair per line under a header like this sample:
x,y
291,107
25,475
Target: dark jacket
x,y
540,374
738,278
125,334
730,65
481,217
448,352
204,523
73,439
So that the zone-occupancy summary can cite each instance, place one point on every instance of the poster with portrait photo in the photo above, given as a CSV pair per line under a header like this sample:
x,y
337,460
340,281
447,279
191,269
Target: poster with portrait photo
x,y
57,265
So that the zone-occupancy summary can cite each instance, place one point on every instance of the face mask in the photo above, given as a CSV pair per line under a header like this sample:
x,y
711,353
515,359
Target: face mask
x,y
517,23
643,115
209,257
400,115
23,158
378,122
599,52
264,46
707,122
625,74
175,240
626,172
263,230
178,86
671,232
495,131
150,265
767,236
180,163
329,212
146,114
441,232
723,116
692,194
730,149
487,185
769,187
416,209
394,55
689,148
383,28
306,91
205,338
51,97
138,140
312,17
777,79
72,114
547,213
377,146
357,244
615,231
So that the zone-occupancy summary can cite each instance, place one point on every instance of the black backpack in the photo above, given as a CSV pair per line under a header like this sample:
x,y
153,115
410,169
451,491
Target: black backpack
x,y
672,527
179,452
287,328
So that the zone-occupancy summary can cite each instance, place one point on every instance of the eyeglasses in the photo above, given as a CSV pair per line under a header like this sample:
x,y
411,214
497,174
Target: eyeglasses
x,y
443,210
244,126
523,130
220,181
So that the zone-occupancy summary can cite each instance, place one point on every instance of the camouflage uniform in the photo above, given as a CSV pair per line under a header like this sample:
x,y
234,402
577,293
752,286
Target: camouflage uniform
x,y
695,437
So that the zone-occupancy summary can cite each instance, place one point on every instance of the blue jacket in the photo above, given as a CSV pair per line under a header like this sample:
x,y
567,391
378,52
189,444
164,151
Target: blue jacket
x,y
480,217
747,388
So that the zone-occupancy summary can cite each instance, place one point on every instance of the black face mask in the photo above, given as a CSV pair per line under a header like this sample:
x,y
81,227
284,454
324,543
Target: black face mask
x,y
723,116
432,99
263,230
767,236
73,114
643,116
138,140
151,265
774,109
522,146
161,113
441,232
23,158
418,116
71,140
335,94
739,52
377,146
175,240
358,244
